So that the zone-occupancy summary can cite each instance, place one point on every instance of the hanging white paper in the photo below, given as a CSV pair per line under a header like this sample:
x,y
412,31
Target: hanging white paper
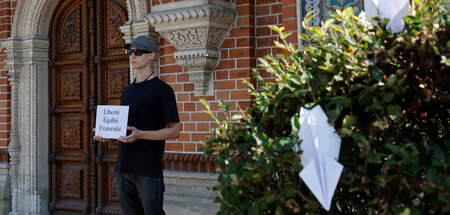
x,y
320,145
394,10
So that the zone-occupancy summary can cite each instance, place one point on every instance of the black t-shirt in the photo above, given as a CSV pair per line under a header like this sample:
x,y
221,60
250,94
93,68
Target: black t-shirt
x,y
152,106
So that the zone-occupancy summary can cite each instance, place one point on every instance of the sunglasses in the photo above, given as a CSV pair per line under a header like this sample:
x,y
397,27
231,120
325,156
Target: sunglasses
x,y
137,52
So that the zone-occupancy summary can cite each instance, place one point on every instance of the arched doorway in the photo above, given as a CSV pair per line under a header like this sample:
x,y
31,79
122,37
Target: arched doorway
x,y
87,67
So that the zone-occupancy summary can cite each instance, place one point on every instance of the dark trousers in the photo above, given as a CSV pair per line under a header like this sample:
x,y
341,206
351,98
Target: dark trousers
x,y
141,195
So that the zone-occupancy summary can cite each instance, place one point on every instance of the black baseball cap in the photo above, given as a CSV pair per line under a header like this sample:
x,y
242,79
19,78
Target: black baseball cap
x,y
142,43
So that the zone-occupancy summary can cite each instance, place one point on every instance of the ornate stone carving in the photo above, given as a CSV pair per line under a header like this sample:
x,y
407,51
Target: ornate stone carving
x,y
117,81
71,35
196,28
71,183
70,134
70,86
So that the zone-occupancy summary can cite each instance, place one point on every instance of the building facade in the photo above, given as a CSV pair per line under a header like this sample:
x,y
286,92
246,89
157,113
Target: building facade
x,y
61,58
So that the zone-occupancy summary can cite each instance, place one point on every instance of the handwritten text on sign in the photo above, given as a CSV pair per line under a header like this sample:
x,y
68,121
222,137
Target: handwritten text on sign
x,y
111,121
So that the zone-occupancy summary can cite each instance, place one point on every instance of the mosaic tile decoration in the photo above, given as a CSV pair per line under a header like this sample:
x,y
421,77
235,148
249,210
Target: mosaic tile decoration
x,y
327,7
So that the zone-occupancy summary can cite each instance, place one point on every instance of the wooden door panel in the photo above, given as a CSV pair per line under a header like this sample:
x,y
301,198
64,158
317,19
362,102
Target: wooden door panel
x,y
88,67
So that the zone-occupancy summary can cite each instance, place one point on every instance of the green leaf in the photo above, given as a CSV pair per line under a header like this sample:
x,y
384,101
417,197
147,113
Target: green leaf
x,y
237,117
388,97
253,210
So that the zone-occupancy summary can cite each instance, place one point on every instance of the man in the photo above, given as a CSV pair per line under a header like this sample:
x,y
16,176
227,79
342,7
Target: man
x,y
153,118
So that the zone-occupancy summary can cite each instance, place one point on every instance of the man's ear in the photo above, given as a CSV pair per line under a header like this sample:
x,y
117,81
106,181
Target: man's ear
x,y
151,56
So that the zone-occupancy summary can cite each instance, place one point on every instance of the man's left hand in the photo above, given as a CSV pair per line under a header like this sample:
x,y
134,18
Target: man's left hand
x,y
132,137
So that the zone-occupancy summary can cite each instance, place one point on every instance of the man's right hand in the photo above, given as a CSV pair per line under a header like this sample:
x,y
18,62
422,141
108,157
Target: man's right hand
x,y
101,139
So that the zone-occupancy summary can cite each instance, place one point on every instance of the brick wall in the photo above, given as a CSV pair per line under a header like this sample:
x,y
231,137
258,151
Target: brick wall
x,y
6,17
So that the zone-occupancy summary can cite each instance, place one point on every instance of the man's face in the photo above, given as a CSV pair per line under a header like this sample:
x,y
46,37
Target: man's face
x,y
138,58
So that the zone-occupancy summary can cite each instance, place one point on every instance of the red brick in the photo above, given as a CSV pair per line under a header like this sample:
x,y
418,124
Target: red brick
x,y
163,60
264,31
203,127
201,117
169,78
226,64
5,104
188,87
290,25
246,63
184,117
184,137
243,52
221,74
240,94
289,11
189,127
200,136
241,2
262,52
262,10
168,50
5,12
275,8
174,146
5,127
245,42
4,135
5,111
190,147
222,85
287,2
206,98
6,88
224,54
245,10
176,87
265,1
267,20
265,42
246,21
241,85
242,32
240,73
183,97
244,105
228,43
189,106
6,19
180,107
170,69
183,78
4,119
223,95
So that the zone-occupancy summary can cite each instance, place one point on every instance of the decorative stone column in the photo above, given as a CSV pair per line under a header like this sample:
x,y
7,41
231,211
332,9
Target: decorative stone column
x,y
196,28
27,65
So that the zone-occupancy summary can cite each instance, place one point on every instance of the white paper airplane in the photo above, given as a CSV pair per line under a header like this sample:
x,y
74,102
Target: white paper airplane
x,y
394,10
320,145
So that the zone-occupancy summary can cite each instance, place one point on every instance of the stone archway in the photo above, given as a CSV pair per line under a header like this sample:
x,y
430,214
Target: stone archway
x,y
27,63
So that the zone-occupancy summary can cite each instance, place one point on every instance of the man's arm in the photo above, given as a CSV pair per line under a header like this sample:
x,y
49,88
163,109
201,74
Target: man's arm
x,y
171,131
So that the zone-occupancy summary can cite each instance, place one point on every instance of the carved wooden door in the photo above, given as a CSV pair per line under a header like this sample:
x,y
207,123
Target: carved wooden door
x,y
88,67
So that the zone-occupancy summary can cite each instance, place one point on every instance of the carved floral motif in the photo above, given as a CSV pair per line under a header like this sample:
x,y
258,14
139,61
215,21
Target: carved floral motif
x,y
117,81
115,20
200,37
70,134
70,86
71,183
71,35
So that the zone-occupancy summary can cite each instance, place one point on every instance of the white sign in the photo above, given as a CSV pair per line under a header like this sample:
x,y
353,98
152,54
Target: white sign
x,y
111,121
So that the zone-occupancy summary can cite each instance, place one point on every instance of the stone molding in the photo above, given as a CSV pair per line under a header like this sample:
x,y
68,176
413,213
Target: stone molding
x,y
197,28
24,58
27,64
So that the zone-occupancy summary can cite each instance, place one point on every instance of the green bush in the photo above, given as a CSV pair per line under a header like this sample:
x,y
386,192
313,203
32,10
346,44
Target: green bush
x,y
386,94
